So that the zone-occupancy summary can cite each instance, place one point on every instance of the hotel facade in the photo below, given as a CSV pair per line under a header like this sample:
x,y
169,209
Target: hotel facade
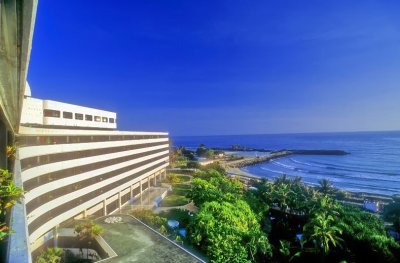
x,y
71,161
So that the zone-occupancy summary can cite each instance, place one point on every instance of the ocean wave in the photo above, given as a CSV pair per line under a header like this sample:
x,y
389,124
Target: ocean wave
x,y
283,165
352,177
307,164
358,169
396,139
346,169
272,171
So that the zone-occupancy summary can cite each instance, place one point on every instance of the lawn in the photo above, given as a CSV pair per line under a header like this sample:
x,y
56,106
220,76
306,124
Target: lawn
x,y
181,189
177,197
183,178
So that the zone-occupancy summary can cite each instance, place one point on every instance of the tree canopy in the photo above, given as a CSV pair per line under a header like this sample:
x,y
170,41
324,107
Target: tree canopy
x,y
229,232
283,220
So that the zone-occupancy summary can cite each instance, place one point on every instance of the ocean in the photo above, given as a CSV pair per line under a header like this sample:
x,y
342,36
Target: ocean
x,y
372,166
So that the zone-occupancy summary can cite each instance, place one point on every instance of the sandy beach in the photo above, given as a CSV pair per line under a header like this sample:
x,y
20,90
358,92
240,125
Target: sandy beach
x,y
239,172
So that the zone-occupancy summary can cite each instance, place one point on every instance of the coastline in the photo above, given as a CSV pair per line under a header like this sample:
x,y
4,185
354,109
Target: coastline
x,y
233,171
234,168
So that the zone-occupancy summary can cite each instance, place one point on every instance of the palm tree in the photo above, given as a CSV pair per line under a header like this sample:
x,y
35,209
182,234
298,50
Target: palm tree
x,y
326,187
88,231
323,232
280,196
50,255
282,179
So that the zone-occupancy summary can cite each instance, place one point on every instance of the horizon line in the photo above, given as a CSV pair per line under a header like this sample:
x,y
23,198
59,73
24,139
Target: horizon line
x,y
284,133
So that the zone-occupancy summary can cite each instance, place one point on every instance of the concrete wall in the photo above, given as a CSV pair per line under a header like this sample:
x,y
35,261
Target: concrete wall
x,y
16,30
33,114
32,111
65,107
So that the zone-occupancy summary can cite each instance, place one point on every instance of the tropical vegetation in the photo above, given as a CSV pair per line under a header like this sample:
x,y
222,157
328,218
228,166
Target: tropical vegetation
x,y
202,151
9,194
392,213
87,232
51,255
282,220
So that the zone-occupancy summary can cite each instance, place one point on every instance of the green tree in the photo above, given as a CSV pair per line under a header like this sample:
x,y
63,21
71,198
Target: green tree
x,y
321,230
202,151
193,165
208,173
289,195
365,235
216,189
50,255
228,232
203,191
391,213
215,166
326,187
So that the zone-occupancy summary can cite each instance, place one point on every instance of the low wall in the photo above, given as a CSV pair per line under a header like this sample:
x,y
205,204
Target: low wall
x,y
67,240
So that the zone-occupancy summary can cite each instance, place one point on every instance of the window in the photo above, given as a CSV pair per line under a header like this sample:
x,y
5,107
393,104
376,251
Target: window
x,y
78,116
51,113
97,118
88,117
111,120
104,119
67,115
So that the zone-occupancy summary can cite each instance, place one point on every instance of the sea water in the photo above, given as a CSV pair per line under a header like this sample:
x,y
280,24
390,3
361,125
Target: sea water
x,y
372,166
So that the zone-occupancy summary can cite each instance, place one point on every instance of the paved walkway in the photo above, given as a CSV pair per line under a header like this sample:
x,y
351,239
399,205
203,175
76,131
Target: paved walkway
x,y
149,196
146,201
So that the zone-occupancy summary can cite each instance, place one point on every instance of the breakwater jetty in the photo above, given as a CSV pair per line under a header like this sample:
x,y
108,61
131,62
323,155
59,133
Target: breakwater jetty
x,y
247,161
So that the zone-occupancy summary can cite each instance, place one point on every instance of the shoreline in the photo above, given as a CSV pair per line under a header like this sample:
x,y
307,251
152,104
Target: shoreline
x,y
234,171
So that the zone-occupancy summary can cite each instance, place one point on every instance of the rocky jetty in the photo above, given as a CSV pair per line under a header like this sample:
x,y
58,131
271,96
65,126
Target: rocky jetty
x,y
277,154
314,152
240,149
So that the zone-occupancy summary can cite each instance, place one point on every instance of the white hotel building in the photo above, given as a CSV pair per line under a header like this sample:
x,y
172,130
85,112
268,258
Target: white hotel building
x,y
74,163
70,161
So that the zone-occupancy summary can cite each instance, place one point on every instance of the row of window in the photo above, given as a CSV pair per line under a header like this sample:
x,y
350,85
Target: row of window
x,y
68,205
51,195
78,116
64,173
23,141
34,161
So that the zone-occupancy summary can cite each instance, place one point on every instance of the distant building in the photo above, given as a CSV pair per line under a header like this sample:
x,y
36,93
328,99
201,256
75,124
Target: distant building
x,y
373,206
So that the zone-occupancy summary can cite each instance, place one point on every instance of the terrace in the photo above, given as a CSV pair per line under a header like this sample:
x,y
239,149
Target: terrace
x,y
134,242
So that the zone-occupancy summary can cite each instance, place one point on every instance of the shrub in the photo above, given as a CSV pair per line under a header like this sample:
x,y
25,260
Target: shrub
x,y
149,218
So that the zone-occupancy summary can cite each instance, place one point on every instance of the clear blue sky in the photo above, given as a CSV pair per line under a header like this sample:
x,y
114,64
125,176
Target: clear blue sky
x,y
223,67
